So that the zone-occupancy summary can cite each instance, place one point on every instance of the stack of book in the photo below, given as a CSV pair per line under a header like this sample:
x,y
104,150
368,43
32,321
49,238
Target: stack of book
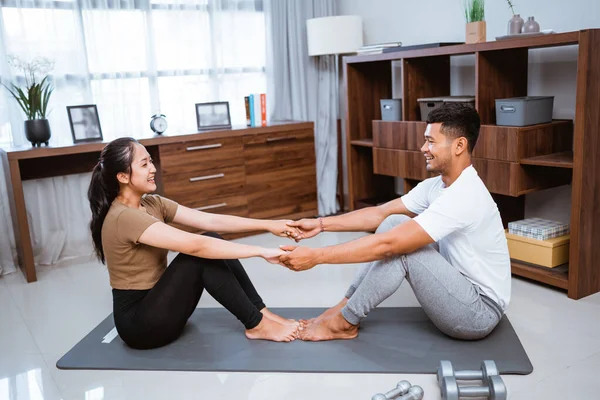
x,y
256,109
377,48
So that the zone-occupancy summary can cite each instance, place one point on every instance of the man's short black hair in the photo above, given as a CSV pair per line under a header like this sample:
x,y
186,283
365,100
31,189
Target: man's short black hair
x,y
457,120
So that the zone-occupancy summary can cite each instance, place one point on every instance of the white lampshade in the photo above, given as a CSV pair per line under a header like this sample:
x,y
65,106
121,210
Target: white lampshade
x,y
334,35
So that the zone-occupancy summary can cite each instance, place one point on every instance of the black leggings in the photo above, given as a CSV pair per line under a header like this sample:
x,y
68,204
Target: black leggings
x,y
152,318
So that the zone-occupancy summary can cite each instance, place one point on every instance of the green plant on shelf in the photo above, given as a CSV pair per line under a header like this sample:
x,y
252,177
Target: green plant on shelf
x,y
474,10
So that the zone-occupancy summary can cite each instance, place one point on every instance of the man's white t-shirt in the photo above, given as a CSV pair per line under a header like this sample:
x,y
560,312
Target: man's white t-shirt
x,y
465,221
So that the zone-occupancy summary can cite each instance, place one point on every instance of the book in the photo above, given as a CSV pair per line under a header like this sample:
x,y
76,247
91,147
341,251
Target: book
x,y
247,106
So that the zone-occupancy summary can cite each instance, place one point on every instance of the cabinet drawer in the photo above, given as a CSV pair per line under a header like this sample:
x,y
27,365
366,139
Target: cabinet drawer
x,y
399,135
509,143
401,163
228,205
188,187
200,155
268,150
289,189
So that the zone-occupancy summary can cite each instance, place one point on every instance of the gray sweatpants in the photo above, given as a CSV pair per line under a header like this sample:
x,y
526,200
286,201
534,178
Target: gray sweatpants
x,y
454,304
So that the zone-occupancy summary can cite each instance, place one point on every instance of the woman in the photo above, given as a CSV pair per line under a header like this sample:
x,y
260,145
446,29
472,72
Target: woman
x,y
151,302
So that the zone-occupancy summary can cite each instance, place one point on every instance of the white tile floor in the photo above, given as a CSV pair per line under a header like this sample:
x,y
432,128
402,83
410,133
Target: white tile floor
x,y
41,321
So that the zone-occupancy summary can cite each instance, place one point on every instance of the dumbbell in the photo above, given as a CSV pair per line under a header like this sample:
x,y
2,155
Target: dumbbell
x,y
488,369
414,393
401,388
493,390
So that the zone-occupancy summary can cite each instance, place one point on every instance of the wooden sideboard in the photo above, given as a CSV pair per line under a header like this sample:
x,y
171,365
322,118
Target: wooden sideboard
x,y
511,161
263,172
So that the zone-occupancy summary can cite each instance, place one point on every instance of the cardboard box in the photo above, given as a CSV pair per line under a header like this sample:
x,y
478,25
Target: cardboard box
x,y
546,253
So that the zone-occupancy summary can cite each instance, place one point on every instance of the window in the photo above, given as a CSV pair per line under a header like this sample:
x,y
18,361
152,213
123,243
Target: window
x,y
134,58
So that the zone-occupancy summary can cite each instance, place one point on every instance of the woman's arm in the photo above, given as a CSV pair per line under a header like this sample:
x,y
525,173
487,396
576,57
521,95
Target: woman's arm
x,y
166,237
229,223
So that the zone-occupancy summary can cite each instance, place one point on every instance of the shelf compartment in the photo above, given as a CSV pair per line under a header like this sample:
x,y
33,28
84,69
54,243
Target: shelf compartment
x,y
557,277
423,77
362,143
560,160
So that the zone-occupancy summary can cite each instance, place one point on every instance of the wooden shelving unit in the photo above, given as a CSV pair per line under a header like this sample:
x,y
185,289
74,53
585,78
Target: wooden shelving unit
x,y
511,161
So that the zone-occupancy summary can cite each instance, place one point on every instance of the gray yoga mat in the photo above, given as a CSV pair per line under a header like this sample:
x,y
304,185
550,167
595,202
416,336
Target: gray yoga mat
x,y
391,340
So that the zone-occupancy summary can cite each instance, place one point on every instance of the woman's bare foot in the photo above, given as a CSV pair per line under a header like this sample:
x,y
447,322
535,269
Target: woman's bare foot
x,y
328,313
278,318
329,328
271,330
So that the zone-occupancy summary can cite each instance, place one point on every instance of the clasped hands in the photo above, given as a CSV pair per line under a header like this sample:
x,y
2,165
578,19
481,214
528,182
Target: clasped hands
x,y
296,258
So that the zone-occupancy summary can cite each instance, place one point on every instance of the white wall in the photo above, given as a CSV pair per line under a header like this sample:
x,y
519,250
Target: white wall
x,y
551,71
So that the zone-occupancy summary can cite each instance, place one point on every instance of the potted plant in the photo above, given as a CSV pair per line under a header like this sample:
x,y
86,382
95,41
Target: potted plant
x,y
475,16
33,99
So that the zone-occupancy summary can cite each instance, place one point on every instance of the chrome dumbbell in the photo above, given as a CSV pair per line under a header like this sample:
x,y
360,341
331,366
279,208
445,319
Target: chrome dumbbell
x,y
401,388
488,369
493,389
414,393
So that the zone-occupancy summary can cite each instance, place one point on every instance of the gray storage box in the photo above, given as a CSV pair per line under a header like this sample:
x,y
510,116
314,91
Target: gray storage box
x,y
523,111
391,109
428,104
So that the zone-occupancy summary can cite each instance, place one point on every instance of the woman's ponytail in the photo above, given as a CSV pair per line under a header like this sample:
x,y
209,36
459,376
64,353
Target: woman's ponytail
x,y
104,187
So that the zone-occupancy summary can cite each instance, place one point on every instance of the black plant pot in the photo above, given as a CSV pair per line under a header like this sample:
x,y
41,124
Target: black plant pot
x,y
37,131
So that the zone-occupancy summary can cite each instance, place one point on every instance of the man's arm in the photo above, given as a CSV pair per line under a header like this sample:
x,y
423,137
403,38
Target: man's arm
x,y
404,238
365,219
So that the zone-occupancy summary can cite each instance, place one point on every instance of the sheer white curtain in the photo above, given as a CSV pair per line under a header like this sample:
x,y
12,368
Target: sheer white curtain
x,y
133,59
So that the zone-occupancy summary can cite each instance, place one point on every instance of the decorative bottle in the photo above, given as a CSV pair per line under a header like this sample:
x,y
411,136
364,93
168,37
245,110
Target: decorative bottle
x,y
515,25
531,26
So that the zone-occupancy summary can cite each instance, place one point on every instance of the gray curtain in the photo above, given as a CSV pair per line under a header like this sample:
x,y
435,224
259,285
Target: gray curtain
x,y
303,87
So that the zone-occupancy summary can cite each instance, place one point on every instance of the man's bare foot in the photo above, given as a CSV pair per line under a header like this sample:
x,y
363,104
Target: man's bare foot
x,y
271,330
328,313
278,318
329,328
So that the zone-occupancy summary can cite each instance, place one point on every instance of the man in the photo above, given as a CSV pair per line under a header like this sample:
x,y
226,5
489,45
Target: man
x,y
464,287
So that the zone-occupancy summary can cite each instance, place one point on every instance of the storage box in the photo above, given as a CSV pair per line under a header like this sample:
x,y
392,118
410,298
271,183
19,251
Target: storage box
x,y
546,253
538,228
523,111
428,104
391,109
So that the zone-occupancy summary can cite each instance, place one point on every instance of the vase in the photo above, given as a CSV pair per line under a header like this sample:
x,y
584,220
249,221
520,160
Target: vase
x,y
475,32
37,131
515,25
531,26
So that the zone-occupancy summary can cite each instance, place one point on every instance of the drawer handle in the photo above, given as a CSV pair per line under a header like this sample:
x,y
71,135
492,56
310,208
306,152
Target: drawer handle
x,y
208,146
508,108
280,139
205,178
211,206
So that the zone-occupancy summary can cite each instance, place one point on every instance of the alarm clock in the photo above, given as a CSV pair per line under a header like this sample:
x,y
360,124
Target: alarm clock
x,y
158,124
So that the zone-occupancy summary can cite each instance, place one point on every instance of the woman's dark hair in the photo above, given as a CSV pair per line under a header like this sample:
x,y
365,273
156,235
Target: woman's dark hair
x,y
116,157
457,120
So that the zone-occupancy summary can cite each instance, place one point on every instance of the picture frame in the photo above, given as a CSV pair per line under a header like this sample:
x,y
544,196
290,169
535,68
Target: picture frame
x,y
85,123
213,115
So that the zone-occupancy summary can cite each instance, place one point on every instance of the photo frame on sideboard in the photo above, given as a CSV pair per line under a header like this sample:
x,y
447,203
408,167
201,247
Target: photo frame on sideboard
x,y
213,115
85,123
